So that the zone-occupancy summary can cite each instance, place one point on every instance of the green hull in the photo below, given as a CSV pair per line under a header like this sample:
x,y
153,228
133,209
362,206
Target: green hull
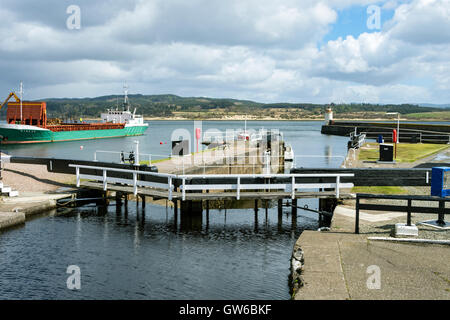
x,y
30,134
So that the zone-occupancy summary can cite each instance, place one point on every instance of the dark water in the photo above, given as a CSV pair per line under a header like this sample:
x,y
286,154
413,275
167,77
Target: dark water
x,y
128,254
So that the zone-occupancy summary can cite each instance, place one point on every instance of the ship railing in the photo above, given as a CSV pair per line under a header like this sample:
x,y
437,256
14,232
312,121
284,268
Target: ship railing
x,y
214,182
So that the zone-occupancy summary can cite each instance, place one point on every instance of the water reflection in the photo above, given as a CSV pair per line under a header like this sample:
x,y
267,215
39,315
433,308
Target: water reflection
x,y
328,154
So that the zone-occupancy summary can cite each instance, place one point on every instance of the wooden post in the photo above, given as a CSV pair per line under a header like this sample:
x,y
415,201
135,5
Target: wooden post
x,y
143,201
280,207
266,205
294,207
118,199
294,214
280,213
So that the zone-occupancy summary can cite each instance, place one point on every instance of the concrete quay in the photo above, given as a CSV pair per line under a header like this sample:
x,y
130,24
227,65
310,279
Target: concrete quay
x,y
15,211
340,265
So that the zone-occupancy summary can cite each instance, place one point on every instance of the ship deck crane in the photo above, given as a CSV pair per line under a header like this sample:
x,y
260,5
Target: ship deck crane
x,y
12,94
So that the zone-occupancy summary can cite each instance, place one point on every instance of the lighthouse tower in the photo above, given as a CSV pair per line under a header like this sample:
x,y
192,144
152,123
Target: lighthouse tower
x,y
328,115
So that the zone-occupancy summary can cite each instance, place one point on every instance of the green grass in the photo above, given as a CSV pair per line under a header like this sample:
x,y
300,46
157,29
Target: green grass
x,y
442,116
406,152
380,190
146,162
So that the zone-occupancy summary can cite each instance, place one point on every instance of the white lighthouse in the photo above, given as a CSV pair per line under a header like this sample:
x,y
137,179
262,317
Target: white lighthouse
x,y
328,115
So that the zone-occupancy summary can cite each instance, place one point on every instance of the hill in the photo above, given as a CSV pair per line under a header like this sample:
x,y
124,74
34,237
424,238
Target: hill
x,y
173,106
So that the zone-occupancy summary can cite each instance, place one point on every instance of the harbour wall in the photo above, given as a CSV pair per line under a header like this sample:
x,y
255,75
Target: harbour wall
x,y
409,132
16,213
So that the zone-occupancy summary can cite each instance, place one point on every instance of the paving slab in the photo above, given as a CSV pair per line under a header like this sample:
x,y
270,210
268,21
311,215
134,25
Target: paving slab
x,y
340,266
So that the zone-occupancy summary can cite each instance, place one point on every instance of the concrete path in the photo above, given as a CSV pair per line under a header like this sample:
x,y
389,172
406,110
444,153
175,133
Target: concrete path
x,y
340,265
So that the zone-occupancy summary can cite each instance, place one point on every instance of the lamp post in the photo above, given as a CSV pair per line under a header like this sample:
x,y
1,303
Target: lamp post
x,y
137,152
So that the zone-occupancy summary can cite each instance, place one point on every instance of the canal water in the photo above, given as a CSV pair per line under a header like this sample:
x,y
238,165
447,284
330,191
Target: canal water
x,y
131,253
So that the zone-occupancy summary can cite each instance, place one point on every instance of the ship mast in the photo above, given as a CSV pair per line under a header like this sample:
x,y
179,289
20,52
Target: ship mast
x,y
126,102
21,98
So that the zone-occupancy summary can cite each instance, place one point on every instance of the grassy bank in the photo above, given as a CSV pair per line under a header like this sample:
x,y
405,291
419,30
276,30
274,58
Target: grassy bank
x,y
424,116
380,190
406,152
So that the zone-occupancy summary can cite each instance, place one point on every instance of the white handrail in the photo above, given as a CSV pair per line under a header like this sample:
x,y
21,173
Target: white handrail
x,y
218,186
164,175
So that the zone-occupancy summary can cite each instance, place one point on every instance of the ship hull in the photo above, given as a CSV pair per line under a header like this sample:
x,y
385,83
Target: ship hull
x,y
20,134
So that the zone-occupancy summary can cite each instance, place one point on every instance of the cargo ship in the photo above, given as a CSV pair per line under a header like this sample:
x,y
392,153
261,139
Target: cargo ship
x,y
26,122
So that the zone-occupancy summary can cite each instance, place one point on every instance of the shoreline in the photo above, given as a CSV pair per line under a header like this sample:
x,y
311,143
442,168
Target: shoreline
x,y
277,119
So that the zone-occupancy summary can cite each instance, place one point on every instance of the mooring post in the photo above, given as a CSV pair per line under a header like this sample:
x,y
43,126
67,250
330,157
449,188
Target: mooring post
x,y
256,206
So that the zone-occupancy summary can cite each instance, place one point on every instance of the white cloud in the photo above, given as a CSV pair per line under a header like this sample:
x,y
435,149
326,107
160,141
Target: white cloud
x,y
255,49
422,22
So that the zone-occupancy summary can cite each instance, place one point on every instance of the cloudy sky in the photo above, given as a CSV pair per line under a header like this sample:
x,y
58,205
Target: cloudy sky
x,y
263,50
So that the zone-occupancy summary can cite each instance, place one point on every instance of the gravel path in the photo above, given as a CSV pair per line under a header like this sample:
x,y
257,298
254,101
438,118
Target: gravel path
x,y
36,178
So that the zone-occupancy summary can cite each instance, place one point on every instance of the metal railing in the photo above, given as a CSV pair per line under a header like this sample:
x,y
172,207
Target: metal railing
x,y
285,182
142,156
418,137
290,186
135,182
409,208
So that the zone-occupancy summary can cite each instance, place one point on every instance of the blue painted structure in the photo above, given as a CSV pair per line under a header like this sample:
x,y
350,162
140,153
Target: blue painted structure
x,y
440,181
